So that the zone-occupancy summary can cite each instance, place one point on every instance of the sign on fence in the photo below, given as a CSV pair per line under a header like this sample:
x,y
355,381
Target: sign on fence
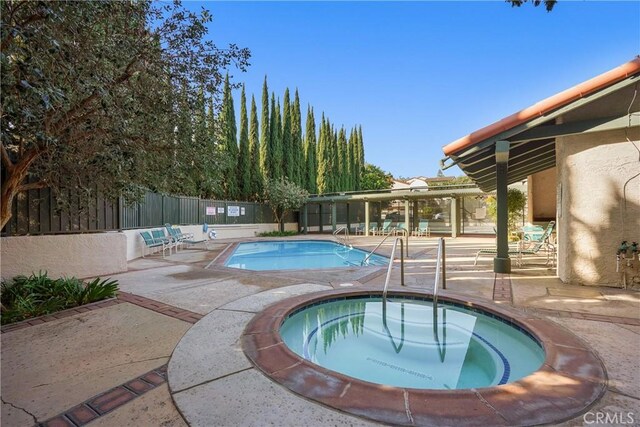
x,y
221,210
210,210
242,210
233,210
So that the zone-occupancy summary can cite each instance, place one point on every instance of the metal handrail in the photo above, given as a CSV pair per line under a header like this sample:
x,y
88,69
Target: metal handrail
x,y
393,254
440,265
406,234
346,235
374,249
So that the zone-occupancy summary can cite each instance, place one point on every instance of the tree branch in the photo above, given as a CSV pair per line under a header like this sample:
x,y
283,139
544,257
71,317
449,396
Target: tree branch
x,y
6,160
69,115
11,34
33,186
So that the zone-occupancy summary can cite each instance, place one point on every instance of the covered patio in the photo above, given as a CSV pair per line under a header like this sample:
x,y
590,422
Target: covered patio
x,y
590,134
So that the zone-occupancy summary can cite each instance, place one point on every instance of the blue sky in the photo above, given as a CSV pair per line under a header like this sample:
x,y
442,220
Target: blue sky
x,y
418,75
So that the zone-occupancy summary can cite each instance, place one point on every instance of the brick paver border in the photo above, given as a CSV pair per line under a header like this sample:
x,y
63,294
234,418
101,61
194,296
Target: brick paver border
x,y
59,315
108,401
160,307
502,291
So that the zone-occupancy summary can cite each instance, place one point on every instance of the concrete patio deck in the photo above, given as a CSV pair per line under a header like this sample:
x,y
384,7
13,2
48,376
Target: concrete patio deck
x,y
107,366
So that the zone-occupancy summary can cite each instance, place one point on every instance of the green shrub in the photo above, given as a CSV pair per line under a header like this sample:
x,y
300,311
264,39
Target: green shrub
x,y
36,295
278,234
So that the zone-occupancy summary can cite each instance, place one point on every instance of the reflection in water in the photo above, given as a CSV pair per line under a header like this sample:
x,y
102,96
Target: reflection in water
x,y
409,344
396,348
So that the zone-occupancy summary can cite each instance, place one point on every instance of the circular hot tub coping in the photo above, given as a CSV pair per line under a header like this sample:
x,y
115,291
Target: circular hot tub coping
x,y
571,379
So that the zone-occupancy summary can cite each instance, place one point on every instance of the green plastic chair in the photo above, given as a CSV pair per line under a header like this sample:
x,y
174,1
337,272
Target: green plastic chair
x,y
422,229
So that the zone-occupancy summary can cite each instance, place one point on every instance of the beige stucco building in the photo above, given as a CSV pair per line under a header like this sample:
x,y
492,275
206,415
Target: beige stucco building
x,y
580,150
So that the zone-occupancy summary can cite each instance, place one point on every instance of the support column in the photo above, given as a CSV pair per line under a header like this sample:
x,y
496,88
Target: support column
x,y
305,219
407,224
348,219
502,263
334,213
453,213
366,218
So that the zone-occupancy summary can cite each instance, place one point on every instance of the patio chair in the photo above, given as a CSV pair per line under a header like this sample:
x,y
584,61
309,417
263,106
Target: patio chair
x,y
186,239
542,243
150,242
520,250
385,229
514,250
398,229
422,229
535,233
359,229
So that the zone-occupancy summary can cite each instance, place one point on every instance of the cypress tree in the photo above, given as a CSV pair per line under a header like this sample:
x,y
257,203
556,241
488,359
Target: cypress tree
x,y
265,134
333,157
288,156
275,148
361,162
229,132
310,153
255,187
214,173
244,160
183,143
323,161
200,158
343,161
296,137
351,163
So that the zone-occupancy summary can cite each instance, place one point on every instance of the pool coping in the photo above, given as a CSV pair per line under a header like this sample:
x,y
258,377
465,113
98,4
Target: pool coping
x,y
571,379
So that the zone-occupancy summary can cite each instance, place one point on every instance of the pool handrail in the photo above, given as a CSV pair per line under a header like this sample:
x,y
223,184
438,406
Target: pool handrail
x,y
391,258
344,229
374,249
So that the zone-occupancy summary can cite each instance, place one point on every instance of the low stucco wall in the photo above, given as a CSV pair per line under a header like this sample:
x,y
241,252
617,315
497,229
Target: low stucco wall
x,y
226,231
79,255
596,210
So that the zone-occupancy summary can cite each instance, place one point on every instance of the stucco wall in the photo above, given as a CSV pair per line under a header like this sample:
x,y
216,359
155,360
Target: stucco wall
x,y
542,195
79,255
592,219
228,231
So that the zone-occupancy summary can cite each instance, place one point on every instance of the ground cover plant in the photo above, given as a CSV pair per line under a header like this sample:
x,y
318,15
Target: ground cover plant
x,y
278,234
24,297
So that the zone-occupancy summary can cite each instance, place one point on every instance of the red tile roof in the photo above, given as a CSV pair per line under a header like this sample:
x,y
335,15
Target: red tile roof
x,y
556,101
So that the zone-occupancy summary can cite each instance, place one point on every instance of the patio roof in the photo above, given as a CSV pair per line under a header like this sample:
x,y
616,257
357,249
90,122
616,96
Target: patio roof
x,y
599,104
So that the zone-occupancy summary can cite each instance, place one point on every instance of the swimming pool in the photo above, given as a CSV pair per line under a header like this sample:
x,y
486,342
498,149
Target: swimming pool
x,y
404,343
298,255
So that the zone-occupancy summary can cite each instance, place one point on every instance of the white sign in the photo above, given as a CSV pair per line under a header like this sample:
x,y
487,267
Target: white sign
x,y
210,210
242,210
221,210
233,210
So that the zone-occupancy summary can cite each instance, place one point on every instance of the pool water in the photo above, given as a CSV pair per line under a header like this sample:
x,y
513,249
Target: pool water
x,y
404,343
297,255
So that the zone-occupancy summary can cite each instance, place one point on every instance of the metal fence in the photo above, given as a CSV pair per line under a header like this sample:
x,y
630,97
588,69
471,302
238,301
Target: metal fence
x,y
36,212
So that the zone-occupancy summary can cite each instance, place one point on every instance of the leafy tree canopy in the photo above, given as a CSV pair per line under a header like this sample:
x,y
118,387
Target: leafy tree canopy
x,y
88,92
374,178
283,196
516,202
548,4
453,181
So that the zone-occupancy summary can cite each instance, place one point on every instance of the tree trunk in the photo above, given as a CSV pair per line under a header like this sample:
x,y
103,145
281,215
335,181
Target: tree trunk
x,y
15,175
10,188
